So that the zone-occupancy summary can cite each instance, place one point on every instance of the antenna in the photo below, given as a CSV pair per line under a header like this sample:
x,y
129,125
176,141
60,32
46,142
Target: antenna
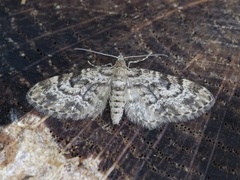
x,y
145,55
128,57
96,52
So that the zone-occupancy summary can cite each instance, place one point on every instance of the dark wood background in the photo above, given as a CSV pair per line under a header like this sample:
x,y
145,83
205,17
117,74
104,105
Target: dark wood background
x,y
202,41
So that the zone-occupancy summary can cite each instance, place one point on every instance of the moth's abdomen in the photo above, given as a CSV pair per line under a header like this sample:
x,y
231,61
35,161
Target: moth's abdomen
x,y
117,100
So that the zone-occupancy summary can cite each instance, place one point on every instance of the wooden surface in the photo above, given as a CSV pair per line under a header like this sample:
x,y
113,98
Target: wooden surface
x,y
202,41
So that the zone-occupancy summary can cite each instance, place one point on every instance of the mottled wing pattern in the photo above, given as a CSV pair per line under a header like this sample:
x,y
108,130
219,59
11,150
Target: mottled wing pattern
x,y
74,96
155,98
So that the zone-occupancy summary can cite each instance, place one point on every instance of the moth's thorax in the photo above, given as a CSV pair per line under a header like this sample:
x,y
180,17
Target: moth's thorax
x,y
120,62
119,73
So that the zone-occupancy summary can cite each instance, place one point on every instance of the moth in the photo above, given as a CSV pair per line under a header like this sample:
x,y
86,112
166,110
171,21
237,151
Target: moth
x,y
148,98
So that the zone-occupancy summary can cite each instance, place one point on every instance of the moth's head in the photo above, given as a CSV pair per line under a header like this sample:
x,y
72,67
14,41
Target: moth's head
x,y
120,57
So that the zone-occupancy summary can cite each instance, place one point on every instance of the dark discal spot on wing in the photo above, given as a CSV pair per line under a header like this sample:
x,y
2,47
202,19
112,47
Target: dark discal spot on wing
x,y
189,100
69,104
51,97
